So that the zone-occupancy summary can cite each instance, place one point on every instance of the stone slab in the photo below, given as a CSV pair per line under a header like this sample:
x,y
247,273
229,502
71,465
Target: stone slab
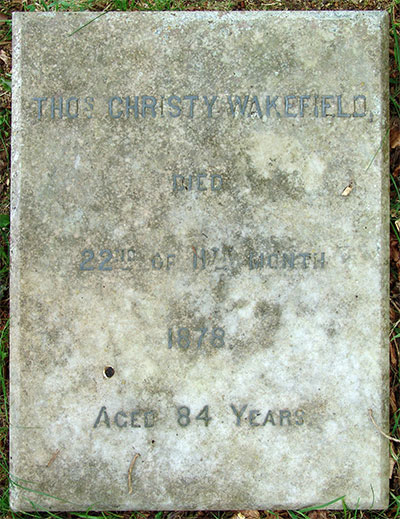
x,y
199,260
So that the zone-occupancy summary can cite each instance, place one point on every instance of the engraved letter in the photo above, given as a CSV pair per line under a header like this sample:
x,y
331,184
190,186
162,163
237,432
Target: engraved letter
x,y
306,256
59,108
252,417
149,103
288,259
210,104
110,107
255,102
289,105
40,101
133,419
202,257
320,261
106,419
157,262
238,101
256,263
284,415
149,418
316,106
270,256
299,414
237,413
339,108
135,106
303,104
216,182
191,99
325,106
68,106
169,263
271,104
269,418
117,422
200,185
364,100
177,187
174,106
89,109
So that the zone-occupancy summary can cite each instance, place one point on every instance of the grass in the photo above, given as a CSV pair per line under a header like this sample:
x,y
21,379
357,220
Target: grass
x,y
6,8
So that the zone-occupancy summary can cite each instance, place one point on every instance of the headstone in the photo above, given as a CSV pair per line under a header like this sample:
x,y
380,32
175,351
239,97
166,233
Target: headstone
x,y
199,261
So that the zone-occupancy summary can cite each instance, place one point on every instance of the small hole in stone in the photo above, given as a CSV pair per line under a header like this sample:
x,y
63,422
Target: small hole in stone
x,y
153,441
108,371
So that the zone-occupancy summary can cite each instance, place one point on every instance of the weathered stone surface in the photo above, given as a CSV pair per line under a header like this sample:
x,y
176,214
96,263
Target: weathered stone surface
x,y
211,258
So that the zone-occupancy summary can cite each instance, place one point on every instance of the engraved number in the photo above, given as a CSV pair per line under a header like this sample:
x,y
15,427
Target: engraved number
x,y
183,416
218,335
106,259
183,338
203,415
108,253
202,334
90,254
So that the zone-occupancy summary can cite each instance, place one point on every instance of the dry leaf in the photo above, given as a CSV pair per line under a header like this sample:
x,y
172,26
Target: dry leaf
x,y
239,515
393,403
318,514
393,356
392,465
396,171
5,58
250,514
394,137
347,190
394,250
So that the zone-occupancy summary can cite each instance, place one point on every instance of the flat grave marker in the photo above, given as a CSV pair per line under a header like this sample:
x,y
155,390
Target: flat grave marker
x,y
199,260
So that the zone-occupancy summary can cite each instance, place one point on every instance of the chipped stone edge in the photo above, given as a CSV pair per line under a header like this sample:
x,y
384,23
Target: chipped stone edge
x,y
178,18
15,339
383,156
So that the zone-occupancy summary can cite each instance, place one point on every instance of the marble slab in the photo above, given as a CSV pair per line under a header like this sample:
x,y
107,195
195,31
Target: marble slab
x,y
199,260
